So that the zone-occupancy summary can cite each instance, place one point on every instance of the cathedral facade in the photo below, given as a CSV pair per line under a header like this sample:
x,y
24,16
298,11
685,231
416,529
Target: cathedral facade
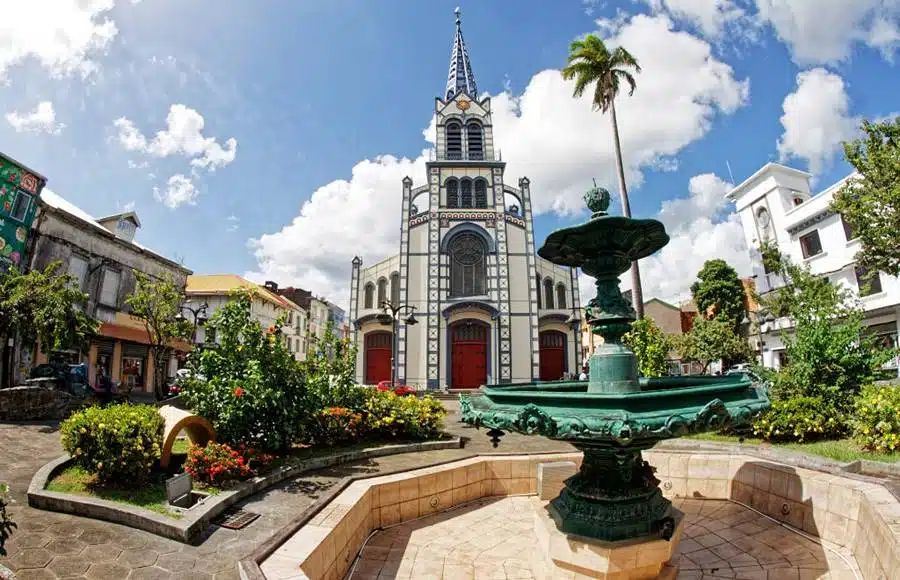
x,y
467,301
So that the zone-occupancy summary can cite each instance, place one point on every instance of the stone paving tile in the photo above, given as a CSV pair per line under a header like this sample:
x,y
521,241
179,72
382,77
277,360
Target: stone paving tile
x,y
45,541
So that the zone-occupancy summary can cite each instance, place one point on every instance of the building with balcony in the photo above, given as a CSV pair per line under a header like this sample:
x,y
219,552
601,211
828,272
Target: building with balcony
x,y
102,256
777,206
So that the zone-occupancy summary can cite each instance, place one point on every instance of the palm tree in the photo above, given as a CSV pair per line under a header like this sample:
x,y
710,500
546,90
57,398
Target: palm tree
x,y
591,63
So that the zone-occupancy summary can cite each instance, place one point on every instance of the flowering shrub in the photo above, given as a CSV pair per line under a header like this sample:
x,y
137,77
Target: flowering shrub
x,y
801,419
217,463
394,417
120,442
876,425
334,425
6,524
249,386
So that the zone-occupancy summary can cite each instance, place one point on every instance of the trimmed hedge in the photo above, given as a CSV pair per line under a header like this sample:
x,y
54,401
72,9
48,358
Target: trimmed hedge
x,y
801,419
116,443
876,424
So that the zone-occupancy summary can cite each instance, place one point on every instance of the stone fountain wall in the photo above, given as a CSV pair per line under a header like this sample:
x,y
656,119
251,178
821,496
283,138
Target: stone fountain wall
x,y
35,404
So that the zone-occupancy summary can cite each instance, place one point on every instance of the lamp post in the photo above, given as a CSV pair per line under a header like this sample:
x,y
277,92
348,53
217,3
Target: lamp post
x,y
198,316
766,318
390,314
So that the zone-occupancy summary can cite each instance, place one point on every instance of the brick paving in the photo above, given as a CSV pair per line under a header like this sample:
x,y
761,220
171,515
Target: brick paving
x,y
494,538
52,545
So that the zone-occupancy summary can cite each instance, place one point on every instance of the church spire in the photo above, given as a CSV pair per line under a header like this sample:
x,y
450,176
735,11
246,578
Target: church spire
x,y
461,78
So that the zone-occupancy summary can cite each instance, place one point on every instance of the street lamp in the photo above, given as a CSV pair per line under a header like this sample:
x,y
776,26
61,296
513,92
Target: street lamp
x,y
393,318
767,318
198,315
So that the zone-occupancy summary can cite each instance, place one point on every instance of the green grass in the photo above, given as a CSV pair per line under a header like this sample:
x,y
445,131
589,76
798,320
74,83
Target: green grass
x,y
151,496
843,450
181,447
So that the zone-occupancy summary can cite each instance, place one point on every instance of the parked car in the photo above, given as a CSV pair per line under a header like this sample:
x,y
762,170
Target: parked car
x,y
176,381
71,378
399,390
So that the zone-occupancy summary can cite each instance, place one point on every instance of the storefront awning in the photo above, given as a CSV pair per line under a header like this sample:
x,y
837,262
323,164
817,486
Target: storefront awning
x,y
131,329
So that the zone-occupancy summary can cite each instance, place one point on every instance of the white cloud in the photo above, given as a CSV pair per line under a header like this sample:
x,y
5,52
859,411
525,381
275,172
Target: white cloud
x,y
233,223
824,31
183,135
560,143
41,120
179,190
138,164
710,16
816,119
63,36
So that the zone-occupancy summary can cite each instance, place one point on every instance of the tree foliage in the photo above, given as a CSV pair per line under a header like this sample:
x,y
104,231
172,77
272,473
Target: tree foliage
x,y
44,305
650,345
156,302
591,63
711,340
718,291
870,205
330,370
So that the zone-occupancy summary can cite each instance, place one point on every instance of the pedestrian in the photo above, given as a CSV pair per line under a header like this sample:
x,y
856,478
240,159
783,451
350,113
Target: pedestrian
x,y
584,374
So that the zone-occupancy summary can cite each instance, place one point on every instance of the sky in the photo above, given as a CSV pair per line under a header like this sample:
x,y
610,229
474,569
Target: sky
x,y
270,138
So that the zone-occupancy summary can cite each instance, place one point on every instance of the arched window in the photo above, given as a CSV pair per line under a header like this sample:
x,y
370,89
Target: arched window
x,y
561,296
475,141
370,295
468,266
452,193
465,193
480,193
548,293
395,289
382,291
454,140
537,278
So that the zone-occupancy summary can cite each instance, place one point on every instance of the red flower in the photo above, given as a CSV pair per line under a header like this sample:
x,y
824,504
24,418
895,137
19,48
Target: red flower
x,y
238,392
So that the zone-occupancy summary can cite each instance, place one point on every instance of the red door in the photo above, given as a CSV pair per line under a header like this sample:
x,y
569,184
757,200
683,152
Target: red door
x,y
553,355
469,355
378,357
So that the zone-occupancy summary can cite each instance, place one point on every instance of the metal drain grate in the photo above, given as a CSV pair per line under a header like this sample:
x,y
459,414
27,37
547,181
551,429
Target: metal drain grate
x,y
235,519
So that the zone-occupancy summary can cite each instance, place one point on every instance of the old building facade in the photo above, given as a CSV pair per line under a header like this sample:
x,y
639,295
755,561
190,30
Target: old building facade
x,y
102,256
489,310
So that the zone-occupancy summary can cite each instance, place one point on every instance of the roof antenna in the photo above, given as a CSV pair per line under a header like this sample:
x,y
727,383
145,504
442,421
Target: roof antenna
x,y
730,174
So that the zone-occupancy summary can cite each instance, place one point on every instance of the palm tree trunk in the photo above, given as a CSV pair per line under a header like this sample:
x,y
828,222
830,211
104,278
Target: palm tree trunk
x,y
637,295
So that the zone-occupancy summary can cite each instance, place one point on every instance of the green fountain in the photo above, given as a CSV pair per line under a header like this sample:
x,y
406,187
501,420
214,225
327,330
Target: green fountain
x,y
616,414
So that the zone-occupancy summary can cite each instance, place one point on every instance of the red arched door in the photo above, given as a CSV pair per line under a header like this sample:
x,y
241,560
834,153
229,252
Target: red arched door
x,y
469,354
553,355
378,357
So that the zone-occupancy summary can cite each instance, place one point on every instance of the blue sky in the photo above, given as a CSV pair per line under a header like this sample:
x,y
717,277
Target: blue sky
x,y
310,90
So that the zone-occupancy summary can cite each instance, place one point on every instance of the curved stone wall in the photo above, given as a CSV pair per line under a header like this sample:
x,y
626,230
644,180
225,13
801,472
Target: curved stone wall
x,y
35,403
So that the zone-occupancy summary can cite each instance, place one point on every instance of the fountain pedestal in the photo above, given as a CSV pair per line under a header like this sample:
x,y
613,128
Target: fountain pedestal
x,y
562,555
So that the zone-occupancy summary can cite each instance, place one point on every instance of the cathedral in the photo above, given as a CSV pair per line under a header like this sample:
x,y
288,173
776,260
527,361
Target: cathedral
x,y
466,301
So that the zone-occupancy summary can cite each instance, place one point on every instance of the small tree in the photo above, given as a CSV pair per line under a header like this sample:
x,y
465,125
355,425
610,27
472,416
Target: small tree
x,y
330,370
870,205
711,340
6,523
650,345
156,302
719,293
43,305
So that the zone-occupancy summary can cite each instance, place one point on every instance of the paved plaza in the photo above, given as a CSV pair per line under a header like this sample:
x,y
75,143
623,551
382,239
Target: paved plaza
x,y
493,539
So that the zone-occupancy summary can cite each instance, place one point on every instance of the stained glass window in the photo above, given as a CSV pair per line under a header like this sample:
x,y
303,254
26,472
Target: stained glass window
x,y
468,266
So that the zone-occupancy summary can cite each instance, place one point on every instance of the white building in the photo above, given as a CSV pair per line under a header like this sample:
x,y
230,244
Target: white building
x,y
489,309
267,308
775,204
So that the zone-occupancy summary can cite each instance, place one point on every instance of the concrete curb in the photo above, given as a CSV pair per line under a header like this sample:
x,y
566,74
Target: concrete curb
x,y
193,522
249,569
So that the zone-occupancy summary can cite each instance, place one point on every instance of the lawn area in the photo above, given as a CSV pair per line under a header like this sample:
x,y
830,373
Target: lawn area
x,y
843,450
151,496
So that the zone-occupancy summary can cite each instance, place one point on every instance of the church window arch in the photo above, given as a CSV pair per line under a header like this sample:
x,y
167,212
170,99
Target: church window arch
x,y
454,140
561,296
395,288
465,193
548,293
537,278
481,193
452,192
369,295
468,265
475,140
382,291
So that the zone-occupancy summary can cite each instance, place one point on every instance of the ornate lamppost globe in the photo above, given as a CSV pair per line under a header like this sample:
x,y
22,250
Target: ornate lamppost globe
x,y
597,200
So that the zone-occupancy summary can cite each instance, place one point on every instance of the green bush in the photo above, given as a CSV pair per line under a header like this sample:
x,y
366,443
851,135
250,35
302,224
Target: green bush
x,y
6,523
876,424
249,386
802,419
389,416
335,425
120,442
